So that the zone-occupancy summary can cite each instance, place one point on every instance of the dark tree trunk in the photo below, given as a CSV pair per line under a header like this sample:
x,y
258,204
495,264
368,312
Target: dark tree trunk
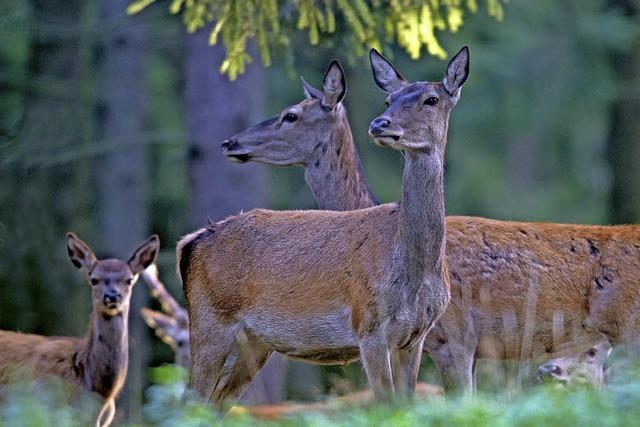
x,y
215,110
38,198
624,136
121,172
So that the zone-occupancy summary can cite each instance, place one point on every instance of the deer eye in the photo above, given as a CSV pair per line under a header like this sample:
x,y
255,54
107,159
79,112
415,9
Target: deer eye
x,y
94,281
431,101
556,370
129,281
290,117
386,104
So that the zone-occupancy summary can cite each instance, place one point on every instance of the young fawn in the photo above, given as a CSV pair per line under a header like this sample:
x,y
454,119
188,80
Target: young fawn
x,y
326,286
172,324
587,368
518,290
97,362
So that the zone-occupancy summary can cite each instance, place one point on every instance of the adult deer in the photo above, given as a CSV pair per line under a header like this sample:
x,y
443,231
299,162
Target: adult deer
x,y
518,290
97,362
325,286
172,324
315,134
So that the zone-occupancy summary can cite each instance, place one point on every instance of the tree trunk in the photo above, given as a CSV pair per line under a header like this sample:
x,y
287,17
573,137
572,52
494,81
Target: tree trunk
x,y
38,198
624,150
215,110
121,172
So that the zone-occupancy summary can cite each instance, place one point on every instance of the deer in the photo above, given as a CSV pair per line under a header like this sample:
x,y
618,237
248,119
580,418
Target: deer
x,y
96,363
318,139
331,287
519,290
172,324
587,368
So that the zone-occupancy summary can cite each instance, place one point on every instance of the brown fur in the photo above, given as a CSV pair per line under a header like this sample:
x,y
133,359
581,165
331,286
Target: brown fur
x,y
97,362
325,286
525,290
584,277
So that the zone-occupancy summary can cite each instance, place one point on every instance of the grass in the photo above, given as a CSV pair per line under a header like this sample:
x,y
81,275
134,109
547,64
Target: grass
x,y
166,406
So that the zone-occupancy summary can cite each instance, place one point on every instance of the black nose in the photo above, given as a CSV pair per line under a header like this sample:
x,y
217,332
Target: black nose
x,y
110,298
230,144
379,125
380,122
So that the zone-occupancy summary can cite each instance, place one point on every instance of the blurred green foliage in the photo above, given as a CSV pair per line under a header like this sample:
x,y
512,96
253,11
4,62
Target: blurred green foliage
x,y
618,405
360,24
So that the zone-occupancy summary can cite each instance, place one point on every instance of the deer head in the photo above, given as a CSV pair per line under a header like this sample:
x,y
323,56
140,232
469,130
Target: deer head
x,y
111,279
171,333
417,113
587,368
172,325
290,138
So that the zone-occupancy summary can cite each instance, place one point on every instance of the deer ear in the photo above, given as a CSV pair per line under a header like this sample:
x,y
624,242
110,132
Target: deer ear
x,y
145,255
161,324
310,92
457,72
79,252
334,85
385,74
157,320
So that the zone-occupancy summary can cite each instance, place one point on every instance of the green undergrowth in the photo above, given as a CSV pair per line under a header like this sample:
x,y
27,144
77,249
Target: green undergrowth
x,y
168,405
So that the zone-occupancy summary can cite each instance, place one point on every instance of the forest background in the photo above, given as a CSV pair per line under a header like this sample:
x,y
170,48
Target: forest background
x,y
111,123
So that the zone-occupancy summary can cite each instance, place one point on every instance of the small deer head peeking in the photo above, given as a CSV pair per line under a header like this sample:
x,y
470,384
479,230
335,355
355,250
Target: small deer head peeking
x,y
427,103
289,139
585,369
172,325
111,279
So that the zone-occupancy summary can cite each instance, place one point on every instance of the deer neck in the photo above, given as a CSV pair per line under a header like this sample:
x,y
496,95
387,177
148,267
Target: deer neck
x,y
335,175
104,357
420,241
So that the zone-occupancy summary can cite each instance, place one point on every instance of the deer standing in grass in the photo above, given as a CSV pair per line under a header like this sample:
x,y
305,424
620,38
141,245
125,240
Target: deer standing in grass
x,y
172,324
518,290
97,362
330,287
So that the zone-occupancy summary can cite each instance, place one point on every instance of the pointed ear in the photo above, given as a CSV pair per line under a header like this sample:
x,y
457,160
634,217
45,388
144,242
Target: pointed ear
x,y
157,320
310,92
162,324
79,252
457,72
385,74
145,255
334,85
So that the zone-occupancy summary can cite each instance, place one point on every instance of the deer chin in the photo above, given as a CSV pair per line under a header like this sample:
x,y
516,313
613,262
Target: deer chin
x,y
111,310
238,157
385,137
386,140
